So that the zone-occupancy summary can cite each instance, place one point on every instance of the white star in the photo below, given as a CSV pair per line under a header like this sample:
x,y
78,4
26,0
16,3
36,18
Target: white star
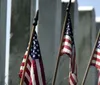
x,y
33,55
33,37
34,42
34,47
98,41
36,53
33,51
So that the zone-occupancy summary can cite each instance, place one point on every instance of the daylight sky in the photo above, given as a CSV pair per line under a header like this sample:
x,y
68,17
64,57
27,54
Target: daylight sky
x,y
94,3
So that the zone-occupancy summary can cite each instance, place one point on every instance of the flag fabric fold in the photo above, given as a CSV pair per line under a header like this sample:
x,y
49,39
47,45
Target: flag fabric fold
x,y
34,72
96,58
68,47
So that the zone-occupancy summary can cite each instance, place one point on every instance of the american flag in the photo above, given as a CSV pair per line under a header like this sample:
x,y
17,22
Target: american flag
x,y
68,47
34,73
96,58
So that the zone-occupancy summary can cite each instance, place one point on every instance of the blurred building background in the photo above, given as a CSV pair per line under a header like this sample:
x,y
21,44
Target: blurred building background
x,y
15,25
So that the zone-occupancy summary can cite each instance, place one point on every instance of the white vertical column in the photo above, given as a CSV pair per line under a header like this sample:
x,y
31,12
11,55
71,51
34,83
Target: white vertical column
x,y
49,34
4,26
20,27
8,23
86,38
34,8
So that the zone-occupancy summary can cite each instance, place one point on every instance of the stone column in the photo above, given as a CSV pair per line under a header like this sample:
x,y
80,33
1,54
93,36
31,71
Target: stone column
x,y
3,11
86,36
49,34
20,30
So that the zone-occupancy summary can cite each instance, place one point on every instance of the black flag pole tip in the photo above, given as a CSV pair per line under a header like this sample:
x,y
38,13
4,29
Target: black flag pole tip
x,y
36,18
69,5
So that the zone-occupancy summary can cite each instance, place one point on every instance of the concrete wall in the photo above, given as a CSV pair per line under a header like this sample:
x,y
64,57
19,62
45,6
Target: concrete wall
x,y
20,30
3,5
49,34
86,38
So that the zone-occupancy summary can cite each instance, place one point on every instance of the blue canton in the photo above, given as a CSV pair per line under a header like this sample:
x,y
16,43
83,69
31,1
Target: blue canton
x,y
68,29
35,49
98,44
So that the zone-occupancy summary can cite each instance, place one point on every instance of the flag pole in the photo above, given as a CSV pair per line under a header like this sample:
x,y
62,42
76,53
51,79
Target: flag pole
x,y
30,42
58,57
87,69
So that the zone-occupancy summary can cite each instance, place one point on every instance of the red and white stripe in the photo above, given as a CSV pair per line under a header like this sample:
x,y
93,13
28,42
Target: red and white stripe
x,y
34,73
66,45
68,49
96,58
73,70
72,79
96,62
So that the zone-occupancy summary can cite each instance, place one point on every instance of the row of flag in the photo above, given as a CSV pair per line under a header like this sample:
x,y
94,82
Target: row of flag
x,y
34,72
